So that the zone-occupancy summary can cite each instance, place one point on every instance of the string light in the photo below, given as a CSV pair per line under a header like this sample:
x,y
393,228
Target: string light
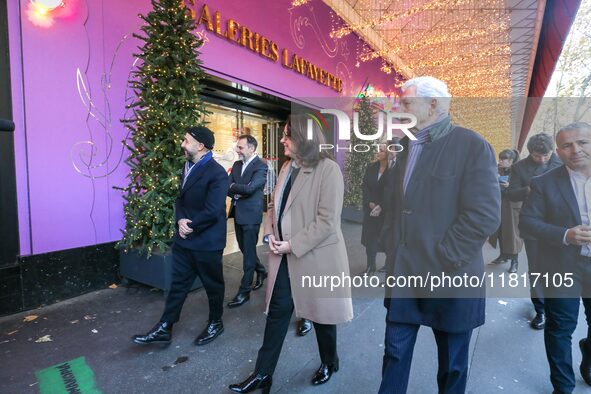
x,y
466,43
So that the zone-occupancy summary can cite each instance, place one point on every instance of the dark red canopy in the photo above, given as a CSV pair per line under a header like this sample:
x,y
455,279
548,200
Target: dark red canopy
x,y
558,18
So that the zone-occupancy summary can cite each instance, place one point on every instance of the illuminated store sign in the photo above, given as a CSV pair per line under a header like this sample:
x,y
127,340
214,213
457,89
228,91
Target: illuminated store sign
x,y
257,43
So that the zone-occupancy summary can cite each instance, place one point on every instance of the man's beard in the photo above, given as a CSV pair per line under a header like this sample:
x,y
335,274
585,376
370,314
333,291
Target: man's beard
x,y
189,156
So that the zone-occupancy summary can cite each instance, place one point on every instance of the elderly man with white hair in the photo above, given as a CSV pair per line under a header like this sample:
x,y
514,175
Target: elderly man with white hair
x,y
441,204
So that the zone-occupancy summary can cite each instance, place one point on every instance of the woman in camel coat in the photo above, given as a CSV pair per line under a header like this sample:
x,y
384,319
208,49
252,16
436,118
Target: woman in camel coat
x,y
306,244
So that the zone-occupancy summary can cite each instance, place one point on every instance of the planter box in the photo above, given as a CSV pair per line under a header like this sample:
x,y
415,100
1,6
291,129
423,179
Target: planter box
x,y
155,271
352,215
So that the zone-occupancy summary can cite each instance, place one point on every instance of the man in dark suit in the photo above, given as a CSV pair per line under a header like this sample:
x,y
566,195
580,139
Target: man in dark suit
x,y
541,159
557,214
247,181
200,240
443,202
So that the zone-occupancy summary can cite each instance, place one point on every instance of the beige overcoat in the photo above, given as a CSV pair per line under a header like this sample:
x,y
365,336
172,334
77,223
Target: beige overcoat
x,y
511,242
311,222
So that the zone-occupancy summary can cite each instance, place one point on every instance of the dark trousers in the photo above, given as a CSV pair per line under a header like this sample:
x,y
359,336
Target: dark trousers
x,y
537,294
247,236
562,313
561,320
371,252
280,311
452,351
187,264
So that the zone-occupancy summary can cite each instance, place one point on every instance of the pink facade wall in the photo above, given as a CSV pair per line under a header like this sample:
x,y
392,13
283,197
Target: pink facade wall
x,y
69,92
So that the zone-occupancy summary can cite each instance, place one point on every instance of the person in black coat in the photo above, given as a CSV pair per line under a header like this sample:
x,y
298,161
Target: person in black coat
x,y
373,189
200,239
541,159
247,181
557,213
507,236
443,203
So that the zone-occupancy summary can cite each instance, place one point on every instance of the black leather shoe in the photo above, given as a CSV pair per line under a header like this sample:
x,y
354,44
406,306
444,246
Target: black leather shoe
x,y
253,382
260,280
585,367
239,300
213,329
160,333
502,259
539,322
304,327
325,372
369,271
514,266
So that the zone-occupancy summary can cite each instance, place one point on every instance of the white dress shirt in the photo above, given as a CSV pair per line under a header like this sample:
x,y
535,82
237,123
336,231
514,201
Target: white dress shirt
x,y
582,189
246,163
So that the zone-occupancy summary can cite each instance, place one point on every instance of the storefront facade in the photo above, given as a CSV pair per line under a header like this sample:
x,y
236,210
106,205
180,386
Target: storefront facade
x,y
68,90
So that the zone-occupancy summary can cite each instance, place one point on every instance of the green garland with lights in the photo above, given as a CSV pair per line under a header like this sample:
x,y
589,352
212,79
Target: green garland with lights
x,y
356,162
167,101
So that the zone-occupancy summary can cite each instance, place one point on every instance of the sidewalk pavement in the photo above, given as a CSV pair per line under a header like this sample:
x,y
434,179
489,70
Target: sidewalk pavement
x,y
507,356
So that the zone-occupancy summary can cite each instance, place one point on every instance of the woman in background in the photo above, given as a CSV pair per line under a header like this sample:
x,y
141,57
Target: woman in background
x,y
508,238
373,189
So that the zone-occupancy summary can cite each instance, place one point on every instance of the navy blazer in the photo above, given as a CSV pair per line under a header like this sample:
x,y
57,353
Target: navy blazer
x,y
439,226
203,201
248,209
548,212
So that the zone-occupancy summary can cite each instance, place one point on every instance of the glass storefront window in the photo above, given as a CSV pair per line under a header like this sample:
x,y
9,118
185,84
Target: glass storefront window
x,y
222,121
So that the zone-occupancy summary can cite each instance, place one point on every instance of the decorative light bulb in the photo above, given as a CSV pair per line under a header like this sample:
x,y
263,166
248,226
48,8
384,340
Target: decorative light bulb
x,y
44,6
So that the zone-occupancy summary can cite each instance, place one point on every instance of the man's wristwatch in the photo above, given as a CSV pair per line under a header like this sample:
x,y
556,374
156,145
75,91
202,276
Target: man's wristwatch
x,y
266,239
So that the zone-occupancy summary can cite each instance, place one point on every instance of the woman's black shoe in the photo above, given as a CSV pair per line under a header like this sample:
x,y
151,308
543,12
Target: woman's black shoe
x,y
325,372
369,271
304,327
253,382
514,266
502,259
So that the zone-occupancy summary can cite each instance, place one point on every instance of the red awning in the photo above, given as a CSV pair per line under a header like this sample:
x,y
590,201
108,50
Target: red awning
x,y
558,18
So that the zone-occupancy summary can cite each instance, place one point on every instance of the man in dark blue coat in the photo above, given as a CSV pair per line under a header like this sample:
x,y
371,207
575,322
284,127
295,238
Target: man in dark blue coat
x,y
247,181
557,214
441,204
200,240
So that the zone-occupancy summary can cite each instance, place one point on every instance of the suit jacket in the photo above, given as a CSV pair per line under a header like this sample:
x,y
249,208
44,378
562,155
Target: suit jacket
x,y
248,209
451,205
203,201
311,221
549,211
520,178
521,174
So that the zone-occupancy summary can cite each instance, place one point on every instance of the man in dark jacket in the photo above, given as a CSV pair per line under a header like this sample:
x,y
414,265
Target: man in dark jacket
x,y
444,202
557,213
541,159
247,181
200,240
